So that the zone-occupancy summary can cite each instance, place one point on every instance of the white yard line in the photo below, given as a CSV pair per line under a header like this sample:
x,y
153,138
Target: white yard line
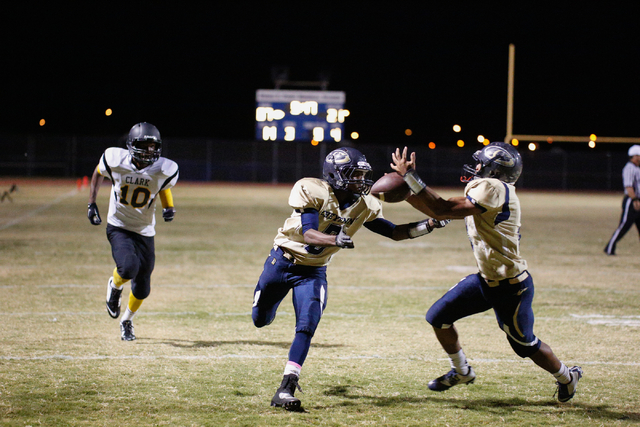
x,y
38,210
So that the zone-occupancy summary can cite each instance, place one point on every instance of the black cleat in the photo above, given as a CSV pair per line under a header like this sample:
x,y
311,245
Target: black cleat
x,y
114,296
567,391
126,331
452,378
284,395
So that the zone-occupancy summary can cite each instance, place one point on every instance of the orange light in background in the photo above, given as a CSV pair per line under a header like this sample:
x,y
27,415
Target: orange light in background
x,y
460,143
592,138
515,142
355,135
408,132
314,142
42,122
457,128
432,145
108,112
486,142
592,144
533,146
550,140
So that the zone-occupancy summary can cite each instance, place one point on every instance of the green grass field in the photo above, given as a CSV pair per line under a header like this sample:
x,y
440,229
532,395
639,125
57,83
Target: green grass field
x,y
199,361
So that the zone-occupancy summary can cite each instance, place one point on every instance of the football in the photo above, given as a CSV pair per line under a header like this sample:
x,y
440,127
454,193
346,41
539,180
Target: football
x,y
391,188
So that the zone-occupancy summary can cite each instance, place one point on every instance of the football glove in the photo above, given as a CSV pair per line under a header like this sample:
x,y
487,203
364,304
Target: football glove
x,y
93,214
168,214
343,240
440,224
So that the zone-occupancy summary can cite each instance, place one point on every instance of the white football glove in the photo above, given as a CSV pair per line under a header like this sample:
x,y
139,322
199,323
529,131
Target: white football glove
x,y
343,240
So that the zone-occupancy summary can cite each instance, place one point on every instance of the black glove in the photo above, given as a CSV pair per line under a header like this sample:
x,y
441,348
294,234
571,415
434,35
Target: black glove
x,y
168,214
343,240
93,214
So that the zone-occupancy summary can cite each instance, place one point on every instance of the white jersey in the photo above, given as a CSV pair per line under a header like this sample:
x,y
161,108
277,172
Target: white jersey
x,y
495,233
318,194
132,205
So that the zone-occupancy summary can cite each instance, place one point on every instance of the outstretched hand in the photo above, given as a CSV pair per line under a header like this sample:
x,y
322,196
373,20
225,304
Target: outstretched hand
x,y
400,162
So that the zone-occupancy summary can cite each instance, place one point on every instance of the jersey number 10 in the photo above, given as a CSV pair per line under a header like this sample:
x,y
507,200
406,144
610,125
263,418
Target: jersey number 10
x,y
136,200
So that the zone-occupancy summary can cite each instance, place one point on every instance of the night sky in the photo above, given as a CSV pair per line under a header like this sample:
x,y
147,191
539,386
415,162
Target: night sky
x,y
193,69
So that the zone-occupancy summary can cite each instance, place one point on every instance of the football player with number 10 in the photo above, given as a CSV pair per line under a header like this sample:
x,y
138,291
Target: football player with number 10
x,y
139,176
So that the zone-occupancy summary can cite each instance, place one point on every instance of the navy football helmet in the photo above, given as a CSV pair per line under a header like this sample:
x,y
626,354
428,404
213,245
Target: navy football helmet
x,y
496,160
340,167
143,132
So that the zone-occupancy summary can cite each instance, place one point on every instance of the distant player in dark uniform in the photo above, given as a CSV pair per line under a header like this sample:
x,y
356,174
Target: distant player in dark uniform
x,y
630,201
138,176
326,214
491,210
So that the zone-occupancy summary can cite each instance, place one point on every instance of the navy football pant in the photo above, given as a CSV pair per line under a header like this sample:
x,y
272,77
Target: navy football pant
x,y
510,302
135,258
309,286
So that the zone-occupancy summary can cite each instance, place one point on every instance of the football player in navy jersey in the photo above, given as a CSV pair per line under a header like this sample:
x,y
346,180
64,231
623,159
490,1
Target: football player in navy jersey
x,y
138,177
326,214
491,211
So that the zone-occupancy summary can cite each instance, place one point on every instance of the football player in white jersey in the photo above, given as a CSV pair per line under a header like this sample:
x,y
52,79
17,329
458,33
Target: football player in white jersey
x,y
326,214
491,210
138,176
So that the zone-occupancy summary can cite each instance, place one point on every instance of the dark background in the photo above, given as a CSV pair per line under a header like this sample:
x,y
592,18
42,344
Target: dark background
x,y
192,69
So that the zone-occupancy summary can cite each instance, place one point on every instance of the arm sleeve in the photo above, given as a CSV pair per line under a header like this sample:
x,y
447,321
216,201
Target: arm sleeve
x,y
166,198
381,226
310,220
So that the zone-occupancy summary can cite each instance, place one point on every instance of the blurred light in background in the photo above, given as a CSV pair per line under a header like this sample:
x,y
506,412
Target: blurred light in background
x,y
42,122
408,132
592,144
592,138
533,146
432,145
355,135
457,128
515,142
460,143
108,112
480,138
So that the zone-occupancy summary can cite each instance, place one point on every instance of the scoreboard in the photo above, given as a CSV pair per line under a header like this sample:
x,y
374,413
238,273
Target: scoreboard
x,y
300,115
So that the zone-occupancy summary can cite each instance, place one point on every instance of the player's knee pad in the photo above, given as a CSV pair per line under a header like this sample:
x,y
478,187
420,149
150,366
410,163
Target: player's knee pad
x,y
141,288
435,317
261,317
308,323
128,268
524,350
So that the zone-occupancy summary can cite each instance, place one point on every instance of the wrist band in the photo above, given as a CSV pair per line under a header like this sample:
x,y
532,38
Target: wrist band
x,y
413,181
418,229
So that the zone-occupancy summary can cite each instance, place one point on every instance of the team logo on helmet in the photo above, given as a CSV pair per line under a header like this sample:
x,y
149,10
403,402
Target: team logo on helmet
x,y
500,156
339,157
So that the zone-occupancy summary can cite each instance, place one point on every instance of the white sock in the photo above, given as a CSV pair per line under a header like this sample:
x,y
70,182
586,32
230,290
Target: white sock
x,y
128,315
459,362
563,375
292,368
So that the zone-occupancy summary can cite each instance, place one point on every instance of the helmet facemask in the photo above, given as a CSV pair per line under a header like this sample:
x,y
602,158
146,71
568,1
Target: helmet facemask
x,y
142,154
359,177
